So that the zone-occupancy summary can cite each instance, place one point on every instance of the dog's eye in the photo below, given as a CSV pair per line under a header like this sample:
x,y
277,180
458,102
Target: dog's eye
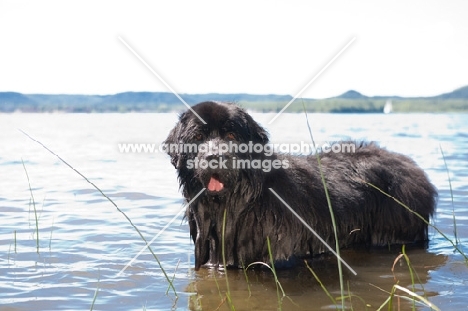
x,y
230,136
198,137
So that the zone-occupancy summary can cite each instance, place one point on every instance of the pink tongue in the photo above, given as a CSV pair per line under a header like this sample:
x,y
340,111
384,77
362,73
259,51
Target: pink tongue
x,y
215,185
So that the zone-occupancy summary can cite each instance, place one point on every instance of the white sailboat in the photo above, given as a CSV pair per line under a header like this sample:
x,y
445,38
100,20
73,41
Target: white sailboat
x,y
388,107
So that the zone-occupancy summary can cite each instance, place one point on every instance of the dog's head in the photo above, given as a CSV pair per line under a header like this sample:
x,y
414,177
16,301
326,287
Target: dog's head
x,y
207,155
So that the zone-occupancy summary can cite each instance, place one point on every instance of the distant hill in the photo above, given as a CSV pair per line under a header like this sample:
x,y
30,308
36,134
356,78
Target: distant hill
x,y
348,102
461,93
10,101
351,95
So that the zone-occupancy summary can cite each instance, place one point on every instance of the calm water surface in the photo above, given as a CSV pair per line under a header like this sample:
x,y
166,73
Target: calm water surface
x,y
85,242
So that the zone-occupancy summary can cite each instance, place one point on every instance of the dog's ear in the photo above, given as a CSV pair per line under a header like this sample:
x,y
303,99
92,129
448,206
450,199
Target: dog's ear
x,y
257,133
173,140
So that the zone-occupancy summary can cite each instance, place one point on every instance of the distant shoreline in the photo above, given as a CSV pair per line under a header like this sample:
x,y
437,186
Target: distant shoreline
x,y
349,102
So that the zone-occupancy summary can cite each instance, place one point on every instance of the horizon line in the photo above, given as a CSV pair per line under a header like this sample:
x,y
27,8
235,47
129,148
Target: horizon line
x,y
236,93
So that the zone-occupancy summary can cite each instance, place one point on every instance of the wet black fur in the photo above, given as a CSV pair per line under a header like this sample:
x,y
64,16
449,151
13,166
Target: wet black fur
x,y
364,216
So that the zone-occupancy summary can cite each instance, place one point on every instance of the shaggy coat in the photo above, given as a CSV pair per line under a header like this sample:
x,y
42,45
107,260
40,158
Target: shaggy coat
x,y
363,214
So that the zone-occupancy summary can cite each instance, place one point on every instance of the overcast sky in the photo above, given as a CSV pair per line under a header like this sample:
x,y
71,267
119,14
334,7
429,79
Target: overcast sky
x,y
407,48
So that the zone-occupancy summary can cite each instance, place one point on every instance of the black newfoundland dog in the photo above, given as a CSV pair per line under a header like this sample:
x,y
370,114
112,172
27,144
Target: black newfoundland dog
x,y
227,155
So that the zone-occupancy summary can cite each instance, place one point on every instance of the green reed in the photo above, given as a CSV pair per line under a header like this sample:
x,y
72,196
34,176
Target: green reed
x,y
95,293
273,270
332,214
451,196
412,296
50,238
420,217
228,291
271,267
244,269
228,297
34,206
333,300
411,270
173,277
111,201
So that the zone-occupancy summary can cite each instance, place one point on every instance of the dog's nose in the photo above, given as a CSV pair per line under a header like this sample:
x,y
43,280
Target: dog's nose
x,y
214,150
215,156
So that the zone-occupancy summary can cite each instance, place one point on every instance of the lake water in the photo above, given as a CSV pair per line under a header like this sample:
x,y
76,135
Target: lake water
x,y
85,243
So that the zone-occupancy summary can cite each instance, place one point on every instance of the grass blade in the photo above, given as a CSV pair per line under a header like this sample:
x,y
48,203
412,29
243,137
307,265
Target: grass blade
x,y
420,217
332,215
451,195
95,293
228,291
34,206
244,269
414,295
278,284
110,200
321,284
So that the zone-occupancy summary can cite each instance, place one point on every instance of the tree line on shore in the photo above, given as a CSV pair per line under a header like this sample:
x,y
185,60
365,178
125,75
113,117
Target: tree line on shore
x,y
349,102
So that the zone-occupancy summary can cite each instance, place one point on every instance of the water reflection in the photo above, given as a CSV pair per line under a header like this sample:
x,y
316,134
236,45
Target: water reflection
x,y
256,289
